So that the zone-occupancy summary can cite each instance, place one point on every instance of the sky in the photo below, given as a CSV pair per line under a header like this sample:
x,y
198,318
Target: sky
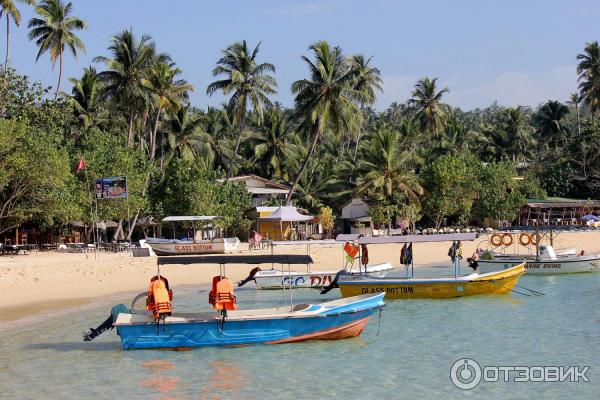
x,y
514,52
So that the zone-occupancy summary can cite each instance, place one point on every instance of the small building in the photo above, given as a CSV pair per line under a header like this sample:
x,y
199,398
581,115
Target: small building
x,y
264,191
283,223
355,218
556,211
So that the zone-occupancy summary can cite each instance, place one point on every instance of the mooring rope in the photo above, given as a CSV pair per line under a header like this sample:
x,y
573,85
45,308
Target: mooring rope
x,y
531,290
509,289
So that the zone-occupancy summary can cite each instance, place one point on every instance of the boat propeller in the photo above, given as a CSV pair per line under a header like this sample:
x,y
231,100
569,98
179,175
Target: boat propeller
x,y
107,324
250,277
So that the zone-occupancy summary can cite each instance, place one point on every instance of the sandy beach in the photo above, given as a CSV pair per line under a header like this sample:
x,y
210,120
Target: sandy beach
x,y
46,282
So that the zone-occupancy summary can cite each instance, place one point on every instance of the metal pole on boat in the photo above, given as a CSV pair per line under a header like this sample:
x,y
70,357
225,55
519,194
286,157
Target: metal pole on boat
x,y
537,244
456,262
291,291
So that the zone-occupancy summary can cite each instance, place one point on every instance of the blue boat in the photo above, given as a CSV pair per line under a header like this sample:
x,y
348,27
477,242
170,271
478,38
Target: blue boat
x,y
332,320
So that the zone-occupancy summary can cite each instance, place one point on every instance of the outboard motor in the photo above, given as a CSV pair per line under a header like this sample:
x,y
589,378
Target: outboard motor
x,y
107,324
250,277
334,282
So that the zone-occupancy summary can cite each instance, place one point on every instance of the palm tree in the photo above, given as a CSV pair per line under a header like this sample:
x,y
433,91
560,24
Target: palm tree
x,y
248,82
129,63
184,134
519,138
274,145
85,98
589,75
216,138
54,30
327,100
368,81
168,93
550,120
575,100
388,168
9,8
427,102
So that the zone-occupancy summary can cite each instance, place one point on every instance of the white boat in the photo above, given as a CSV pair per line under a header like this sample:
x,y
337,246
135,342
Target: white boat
x,y
208,240
276,278
548,262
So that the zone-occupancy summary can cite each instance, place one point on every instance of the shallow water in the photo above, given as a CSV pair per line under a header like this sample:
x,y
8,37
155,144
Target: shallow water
x,y
418,342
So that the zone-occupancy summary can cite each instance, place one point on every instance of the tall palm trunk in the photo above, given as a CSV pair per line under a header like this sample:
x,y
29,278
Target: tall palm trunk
x,y
130,132
313,146
60,62
7,44
578,123
239,138
153,137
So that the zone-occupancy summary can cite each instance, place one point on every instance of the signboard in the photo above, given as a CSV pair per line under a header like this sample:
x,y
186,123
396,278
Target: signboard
x,y
114,187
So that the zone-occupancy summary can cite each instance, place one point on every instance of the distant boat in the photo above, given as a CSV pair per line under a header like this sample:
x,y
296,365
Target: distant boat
x,y
499,282
332,320
548,262
208,240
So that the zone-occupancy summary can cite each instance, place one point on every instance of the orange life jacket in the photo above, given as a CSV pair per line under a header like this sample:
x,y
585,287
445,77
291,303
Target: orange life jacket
x,y
159,297
221,296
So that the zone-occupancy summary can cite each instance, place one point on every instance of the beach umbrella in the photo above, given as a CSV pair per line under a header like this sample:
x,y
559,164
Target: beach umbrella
x,y
590,217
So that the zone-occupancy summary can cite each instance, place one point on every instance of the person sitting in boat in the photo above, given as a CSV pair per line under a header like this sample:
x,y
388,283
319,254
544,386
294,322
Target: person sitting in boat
x,y
582,253
473,260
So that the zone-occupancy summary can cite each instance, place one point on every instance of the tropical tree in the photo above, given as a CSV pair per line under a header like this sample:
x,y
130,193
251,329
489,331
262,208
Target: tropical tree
x,y
429,110
551,123
519,140
368,81
388,168
216,138
10,10
168,94
575,99
249,84
589,75
54,30
274,145
184,134
122,81
327,99
85,98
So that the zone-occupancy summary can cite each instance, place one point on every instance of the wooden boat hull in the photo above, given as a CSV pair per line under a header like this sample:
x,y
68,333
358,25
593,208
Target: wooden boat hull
x,y
164,247
500,282
276,279
327,321
562,265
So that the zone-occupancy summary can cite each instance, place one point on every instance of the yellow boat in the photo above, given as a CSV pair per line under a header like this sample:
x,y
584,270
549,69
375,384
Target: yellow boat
x,y
500,282
497,282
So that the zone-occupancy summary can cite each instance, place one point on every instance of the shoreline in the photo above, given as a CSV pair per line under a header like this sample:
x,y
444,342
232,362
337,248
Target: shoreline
x,y
41,285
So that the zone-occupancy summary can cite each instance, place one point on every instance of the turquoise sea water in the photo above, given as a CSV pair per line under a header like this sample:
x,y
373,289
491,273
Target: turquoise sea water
x,y
411,357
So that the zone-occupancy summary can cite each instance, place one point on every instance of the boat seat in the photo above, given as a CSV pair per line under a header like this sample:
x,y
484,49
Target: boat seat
x,y
301,307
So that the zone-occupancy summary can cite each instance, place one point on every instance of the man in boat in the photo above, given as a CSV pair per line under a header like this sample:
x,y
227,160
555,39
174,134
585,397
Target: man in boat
x,y
473,260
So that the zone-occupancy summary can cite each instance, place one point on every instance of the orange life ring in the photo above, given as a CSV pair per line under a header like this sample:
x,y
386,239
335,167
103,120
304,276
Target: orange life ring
x,y
495,242
524,239
534,239
510,239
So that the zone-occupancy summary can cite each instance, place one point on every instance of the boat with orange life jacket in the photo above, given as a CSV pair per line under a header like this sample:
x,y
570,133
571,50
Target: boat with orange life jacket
x,y
160,326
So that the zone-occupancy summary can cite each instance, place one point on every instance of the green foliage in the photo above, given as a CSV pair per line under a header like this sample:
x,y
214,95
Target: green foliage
x,y
327,220
451,183
190,189
35,178
107,155
499,197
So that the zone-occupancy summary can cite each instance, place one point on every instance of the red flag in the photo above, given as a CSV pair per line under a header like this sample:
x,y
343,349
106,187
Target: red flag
x,y
81,164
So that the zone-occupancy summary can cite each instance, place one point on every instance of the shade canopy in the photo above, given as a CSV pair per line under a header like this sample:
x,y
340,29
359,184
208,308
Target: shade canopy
x,y
238,259
179,218
286,214
448,237
590,217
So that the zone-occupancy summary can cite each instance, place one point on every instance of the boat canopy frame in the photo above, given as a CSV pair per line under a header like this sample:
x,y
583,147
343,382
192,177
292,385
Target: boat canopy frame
x,y
455,238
